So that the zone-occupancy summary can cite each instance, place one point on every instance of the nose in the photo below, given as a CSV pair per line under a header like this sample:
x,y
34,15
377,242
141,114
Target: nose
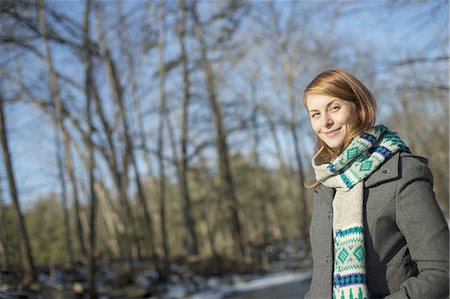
x,y
327,121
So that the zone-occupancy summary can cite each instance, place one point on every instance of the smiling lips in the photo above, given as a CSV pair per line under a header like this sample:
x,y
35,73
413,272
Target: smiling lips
x,y
331,133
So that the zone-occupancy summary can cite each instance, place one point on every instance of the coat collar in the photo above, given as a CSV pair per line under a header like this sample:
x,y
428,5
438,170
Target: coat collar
x,y
388,171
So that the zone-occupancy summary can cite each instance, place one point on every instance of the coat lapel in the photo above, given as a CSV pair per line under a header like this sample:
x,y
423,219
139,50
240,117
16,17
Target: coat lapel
x,y
388,171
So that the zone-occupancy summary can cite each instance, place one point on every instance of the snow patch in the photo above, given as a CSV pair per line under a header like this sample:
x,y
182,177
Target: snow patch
x,y
253,285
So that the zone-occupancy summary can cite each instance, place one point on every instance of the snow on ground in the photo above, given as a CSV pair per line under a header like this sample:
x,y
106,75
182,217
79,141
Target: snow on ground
x,y
256,284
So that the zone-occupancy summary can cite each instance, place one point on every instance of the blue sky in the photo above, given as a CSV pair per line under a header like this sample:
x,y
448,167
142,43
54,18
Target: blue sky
x,y
392,36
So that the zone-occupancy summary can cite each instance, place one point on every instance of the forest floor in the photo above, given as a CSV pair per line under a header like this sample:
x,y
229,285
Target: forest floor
x,y
202,281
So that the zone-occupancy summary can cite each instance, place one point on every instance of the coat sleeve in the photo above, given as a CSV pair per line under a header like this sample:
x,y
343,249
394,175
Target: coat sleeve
x,y
425,229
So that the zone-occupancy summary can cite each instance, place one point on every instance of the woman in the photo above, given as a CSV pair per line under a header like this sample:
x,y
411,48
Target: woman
x,y
376,229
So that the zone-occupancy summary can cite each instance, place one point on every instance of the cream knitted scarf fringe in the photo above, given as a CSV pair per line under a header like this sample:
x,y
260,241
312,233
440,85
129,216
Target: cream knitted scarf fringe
x,y
365,153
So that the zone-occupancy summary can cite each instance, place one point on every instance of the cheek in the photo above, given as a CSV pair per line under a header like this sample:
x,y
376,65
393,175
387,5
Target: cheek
x,y
315,125
346,118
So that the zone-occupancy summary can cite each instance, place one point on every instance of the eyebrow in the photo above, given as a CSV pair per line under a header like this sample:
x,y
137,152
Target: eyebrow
x,y
328,105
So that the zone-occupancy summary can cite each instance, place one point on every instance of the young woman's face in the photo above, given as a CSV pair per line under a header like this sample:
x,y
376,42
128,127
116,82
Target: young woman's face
x,y
331,118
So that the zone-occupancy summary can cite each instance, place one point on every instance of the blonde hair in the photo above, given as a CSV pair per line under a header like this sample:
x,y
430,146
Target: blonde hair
x,y
344,86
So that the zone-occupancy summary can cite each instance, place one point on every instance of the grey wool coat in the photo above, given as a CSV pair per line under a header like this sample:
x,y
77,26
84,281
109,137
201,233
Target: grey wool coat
x,y
406,234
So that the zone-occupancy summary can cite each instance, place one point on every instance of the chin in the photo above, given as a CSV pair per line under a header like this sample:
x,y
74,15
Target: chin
x,y
334,145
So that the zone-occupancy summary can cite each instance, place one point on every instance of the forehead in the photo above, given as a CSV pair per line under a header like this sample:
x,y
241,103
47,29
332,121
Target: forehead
x,y
317,101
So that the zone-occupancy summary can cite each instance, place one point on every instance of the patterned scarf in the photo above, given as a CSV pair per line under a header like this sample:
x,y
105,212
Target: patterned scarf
x,y
365,153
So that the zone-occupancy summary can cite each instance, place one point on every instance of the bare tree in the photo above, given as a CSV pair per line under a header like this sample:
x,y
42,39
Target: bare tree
x,y
90,148
183,161
119,167
142,196
229,193
257,168
162,117
281,29
54,92
29,275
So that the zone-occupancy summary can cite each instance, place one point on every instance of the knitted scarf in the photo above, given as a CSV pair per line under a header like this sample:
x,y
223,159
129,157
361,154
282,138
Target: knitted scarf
x,y
365,153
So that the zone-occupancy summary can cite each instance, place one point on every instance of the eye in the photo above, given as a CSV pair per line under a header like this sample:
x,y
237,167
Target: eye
x,y
315,114
335,108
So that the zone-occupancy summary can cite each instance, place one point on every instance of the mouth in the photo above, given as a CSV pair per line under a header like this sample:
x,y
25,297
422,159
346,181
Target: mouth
x,y
332,132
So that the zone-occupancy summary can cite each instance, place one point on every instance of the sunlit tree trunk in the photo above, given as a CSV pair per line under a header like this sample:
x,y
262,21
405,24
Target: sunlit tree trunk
x,y
111,219
29,274
74,183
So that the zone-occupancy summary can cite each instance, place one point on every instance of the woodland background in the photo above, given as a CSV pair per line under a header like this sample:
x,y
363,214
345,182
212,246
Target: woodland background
x,y
173,132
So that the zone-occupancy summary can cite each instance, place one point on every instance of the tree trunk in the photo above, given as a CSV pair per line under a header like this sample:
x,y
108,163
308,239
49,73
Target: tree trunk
x,y
111,220
229,192
142,196
120,175
3,235
284,170
183,165
54,92
29,274
279,26
293,130
74,184
258,176
92,287
67,230
162,113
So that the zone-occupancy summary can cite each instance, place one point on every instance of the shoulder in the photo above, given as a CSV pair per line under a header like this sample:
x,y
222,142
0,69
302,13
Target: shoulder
x,y
413,167
409,160
400,166
405,161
